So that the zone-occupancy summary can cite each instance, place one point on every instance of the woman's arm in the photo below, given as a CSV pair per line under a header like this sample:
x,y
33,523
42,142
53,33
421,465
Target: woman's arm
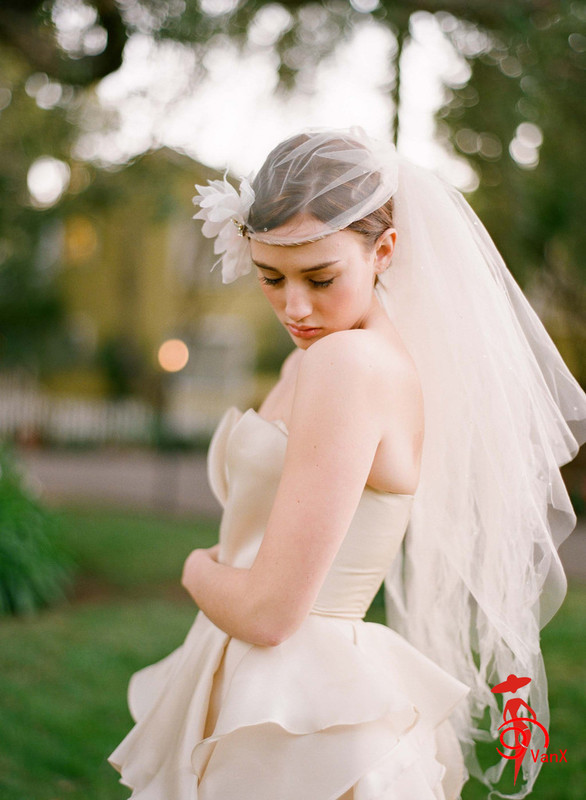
x,y
224,594
336,424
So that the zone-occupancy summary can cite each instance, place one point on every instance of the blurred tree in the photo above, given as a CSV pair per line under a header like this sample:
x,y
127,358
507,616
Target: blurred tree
x,y
31,312
73,42
518,118
80,41
520,121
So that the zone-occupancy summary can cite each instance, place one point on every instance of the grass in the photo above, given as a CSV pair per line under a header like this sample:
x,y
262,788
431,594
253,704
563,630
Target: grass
x,y
564,652
64,673
64,678
129,551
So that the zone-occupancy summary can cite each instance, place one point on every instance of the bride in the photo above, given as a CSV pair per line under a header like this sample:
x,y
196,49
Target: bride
x,y
414,437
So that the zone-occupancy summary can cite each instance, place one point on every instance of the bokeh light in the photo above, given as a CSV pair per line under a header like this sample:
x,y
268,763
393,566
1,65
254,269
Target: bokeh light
x,y
364,6
216,8
524,148
529,134
81,239
269,23
47,179
77,31
173,355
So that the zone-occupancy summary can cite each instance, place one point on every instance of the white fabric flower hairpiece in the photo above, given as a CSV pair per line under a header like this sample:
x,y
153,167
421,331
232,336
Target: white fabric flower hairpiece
x,y
224,211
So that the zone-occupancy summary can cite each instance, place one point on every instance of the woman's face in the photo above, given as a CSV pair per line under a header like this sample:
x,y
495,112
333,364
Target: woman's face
x,y
323,286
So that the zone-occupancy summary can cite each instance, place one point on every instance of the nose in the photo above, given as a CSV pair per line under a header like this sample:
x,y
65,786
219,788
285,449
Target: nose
x,y
297,303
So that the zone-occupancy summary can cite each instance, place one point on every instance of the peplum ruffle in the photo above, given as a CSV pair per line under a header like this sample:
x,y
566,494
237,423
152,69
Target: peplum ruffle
x,y
341,703
343,708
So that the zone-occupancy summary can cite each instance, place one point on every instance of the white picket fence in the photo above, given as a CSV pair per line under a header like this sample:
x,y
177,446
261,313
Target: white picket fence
x,y
29,414
219,374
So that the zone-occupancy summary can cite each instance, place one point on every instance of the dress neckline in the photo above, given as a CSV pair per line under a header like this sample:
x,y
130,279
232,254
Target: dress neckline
x,y
279,425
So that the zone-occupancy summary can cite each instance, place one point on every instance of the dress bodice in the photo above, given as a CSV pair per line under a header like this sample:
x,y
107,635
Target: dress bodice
x,y
339,703
245,462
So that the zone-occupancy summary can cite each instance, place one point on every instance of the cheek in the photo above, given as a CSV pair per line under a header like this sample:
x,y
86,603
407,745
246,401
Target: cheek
x,y
346,295
349,299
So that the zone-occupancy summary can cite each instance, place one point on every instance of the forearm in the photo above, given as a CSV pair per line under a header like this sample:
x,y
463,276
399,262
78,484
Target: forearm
x,y
227,597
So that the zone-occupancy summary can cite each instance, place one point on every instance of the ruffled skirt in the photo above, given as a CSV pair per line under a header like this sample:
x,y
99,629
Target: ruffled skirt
x,y
342,708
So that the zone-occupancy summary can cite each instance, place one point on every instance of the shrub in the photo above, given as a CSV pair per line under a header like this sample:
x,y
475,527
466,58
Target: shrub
x,y
34,570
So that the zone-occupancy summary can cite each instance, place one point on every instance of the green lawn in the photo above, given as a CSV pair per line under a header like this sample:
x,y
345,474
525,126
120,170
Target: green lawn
x,y
63,674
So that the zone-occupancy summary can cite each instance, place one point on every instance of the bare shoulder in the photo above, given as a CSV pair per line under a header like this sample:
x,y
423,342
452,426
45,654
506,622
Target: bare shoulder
x,y
290,363
367,355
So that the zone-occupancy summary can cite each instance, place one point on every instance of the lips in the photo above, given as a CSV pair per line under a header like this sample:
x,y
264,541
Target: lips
x,y
302,332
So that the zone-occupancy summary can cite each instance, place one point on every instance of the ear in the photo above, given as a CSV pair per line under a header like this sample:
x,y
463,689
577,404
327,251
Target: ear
x,y
383,250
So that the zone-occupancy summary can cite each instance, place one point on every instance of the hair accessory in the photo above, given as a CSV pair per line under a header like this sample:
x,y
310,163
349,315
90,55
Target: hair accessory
x,y
225,211
305,174
241,227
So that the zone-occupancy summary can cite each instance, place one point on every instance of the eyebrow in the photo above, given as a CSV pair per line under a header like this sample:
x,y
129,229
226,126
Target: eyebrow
x,y
309,269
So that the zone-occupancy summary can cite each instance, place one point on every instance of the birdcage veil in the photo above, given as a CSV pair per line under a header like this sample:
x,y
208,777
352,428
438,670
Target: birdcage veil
x,y
333,177
479,574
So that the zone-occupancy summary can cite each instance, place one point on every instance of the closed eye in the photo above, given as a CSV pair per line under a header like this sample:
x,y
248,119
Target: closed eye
x,y
270,281
322,284
276,281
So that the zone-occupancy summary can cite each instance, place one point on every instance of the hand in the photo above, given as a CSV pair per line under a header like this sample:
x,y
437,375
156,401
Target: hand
x,y
193,562
213,552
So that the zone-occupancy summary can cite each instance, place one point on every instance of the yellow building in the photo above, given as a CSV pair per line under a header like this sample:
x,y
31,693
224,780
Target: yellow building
x,y
136,273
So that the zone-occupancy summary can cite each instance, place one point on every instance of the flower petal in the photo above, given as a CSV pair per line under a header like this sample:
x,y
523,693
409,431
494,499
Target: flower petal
x,y
220,206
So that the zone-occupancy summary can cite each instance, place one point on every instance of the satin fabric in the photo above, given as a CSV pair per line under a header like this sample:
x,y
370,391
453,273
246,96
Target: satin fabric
x,y
341,707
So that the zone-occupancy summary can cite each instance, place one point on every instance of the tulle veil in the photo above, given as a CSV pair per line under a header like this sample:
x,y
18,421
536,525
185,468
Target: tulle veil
x,y
479,574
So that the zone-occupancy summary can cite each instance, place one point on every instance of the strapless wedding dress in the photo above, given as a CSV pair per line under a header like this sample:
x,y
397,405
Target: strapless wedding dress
x,y
342,707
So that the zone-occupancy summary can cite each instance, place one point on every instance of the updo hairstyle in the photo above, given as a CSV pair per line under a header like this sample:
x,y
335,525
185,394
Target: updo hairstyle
x,y
279,197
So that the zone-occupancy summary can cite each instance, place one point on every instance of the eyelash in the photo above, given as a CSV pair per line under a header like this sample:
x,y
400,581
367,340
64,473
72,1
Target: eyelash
x,y
317,284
